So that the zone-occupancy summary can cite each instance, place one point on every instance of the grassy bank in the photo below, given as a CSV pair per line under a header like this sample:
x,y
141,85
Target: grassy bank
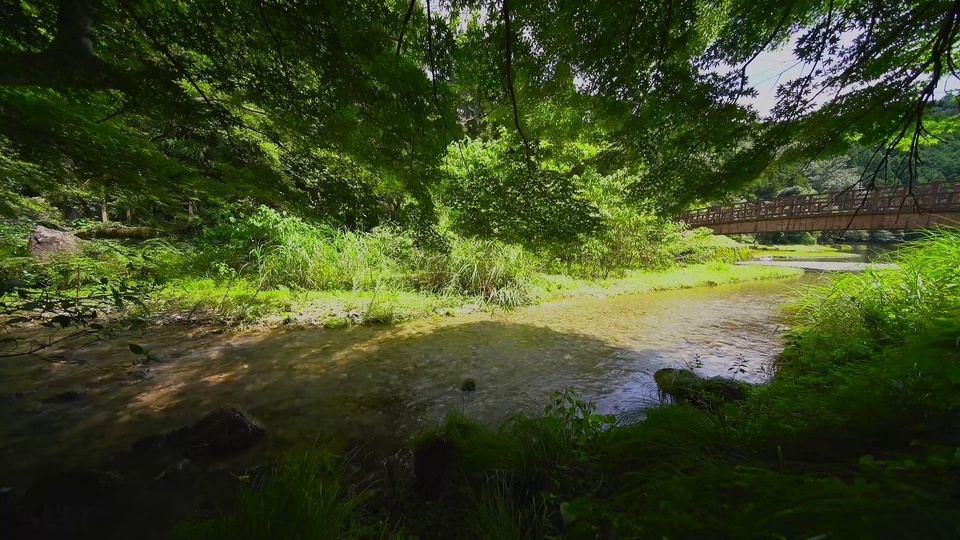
x,y
245,303
266,268
800,250
856,436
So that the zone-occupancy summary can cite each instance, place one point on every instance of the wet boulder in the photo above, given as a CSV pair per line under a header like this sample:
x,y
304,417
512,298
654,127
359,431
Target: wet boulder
x,y
685,386
222,431
676,384
45,242
726,390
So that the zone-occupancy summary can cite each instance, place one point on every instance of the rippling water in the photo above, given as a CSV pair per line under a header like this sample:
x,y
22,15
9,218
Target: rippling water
x,y
384,383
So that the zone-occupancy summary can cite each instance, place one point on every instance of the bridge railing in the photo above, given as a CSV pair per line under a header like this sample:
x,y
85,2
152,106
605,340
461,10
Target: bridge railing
x,y
935,196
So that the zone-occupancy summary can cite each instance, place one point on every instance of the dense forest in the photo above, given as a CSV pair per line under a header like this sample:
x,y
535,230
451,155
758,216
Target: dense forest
x,y
302,164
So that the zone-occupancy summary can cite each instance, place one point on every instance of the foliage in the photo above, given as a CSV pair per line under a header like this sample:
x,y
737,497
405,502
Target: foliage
x,y
169,110
496,272
489,182
888,305
64,319
803,238
284,250
280,250
303,496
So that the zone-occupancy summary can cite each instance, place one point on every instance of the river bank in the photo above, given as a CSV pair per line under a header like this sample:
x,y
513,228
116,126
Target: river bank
x,y
375,387
244,305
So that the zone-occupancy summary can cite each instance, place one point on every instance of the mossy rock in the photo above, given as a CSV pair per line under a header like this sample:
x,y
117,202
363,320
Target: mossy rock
x,y
336,322
468,385
677,384
685,386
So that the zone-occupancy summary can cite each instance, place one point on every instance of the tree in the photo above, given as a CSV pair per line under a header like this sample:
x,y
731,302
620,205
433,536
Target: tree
x,y
218,94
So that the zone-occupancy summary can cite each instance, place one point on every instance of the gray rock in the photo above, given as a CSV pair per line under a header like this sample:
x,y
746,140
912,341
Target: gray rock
x,y
45,242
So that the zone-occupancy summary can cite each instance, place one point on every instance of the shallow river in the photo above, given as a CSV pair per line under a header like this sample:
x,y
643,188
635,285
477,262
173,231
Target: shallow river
x,y
380,385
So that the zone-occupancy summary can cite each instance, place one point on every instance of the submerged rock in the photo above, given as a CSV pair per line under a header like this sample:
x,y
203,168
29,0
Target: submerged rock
x,y
685,386
176,471
468,385
224,430
66,397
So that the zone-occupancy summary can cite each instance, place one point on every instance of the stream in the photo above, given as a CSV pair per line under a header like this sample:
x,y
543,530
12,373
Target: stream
x,y
377,386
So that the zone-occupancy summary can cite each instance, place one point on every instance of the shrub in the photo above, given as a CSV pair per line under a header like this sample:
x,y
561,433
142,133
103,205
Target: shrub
x,y
888,305
498,273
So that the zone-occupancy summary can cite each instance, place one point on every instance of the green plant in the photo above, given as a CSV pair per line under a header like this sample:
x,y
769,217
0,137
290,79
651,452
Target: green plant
x,y
65,317
302,496
578,416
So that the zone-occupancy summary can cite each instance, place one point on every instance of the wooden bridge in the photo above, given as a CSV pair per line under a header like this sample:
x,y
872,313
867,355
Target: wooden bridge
x,y
896,207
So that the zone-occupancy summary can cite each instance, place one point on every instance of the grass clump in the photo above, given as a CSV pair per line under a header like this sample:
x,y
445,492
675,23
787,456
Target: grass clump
x,y
303,496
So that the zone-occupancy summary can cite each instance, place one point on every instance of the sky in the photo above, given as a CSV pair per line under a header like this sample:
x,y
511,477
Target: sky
x,y
772,68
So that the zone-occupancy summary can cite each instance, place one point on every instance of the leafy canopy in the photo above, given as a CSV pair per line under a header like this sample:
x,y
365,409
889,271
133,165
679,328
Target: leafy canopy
x,y
166,101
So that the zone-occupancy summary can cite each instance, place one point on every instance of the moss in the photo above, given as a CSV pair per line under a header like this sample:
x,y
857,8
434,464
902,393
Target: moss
x,y
685,386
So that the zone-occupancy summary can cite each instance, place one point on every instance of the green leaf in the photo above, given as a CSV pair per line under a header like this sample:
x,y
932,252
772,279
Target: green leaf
x,y
136,349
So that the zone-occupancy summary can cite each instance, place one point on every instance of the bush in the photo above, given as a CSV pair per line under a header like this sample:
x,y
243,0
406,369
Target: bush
x,y
279,250
153,261
797,237
282,250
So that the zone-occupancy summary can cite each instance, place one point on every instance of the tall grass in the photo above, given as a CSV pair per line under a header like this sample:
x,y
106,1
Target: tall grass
x,y
302,497
496,272
279,250
891,304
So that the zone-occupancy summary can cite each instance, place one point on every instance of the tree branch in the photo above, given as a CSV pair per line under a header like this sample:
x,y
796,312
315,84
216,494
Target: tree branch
x,y
406,21
510,85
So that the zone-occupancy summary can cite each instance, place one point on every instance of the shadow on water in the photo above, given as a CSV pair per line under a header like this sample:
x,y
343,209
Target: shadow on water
x,y
356,385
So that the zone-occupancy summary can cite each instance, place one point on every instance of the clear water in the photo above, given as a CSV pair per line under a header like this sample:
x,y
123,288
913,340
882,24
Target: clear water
x,y
380,385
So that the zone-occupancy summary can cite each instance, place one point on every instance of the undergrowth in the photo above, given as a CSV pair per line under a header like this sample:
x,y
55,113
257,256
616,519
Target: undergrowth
x,y
269,265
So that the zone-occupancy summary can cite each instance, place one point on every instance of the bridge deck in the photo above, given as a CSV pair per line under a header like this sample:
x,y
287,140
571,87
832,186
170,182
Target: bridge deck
x,y
855,209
